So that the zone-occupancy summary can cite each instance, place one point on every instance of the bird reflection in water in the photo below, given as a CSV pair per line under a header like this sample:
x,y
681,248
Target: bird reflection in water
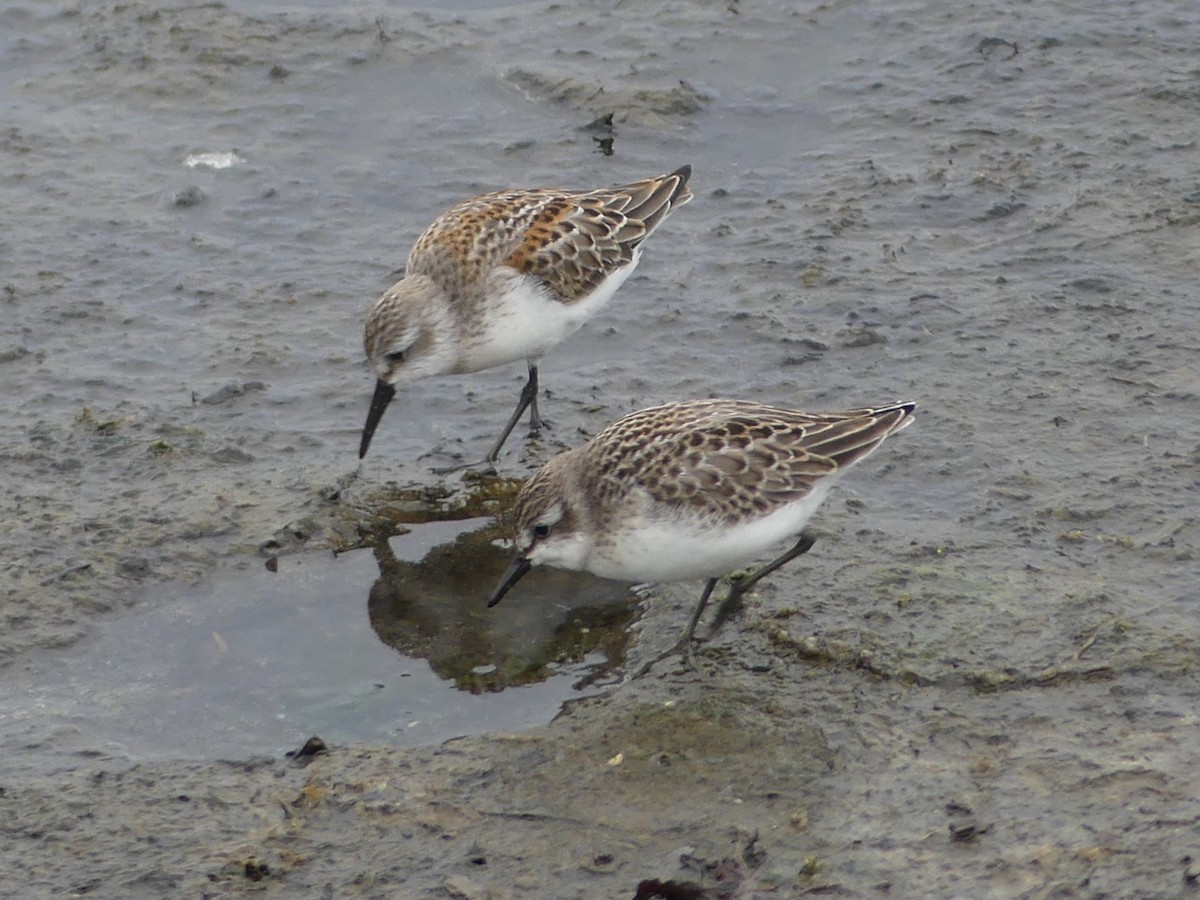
x,y
436,610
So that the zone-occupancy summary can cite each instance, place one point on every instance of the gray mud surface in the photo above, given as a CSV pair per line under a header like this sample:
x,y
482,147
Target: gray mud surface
x,y
983,680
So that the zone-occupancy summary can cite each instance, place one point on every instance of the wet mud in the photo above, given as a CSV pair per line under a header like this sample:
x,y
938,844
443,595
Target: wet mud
x,y
982,681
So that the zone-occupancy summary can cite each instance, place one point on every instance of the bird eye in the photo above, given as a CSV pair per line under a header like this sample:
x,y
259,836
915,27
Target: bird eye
x,y
541,531
397,356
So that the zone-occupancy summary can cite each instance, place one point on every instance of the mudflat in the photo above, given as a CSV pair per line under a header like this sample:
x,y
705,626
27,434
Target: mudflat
x,y
982,680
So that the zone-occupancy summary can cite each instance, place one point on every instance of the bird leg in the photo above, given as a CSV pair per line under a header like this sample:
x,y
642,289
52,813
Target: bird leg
x,y
536,422
736,589
527,400
685,641
728,606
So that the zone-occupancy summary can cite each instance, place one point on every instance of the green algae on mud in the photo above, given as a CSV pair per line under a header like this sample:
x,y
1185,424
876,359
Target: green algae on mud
x,y
479,495
353,515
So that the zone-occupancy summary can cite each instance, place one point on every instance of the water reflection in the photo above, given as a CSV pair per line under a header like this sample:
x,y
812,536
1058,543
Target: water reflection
x,y
435,610
256,660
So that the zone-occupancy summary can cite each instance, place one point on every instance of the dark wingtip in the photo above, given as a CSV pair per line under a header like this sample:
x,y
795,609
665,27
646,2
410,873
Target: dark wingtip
x,y
682,193
903,412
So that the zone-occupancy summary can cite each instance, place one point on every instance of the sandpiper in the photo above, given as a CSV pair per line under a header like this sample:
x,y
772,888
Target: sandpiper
x,y
508,276
691,490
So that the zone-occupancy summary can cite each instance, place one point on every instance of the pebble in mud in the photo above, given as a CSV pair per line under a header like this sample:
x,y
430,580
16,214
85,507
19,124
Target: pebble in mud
x,y
189,196
311,748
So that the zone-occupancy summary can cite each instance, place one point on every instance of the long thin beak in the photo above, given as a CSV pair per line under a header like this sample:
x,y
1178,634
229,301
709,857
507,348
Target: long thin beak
x,y
516,571
384,393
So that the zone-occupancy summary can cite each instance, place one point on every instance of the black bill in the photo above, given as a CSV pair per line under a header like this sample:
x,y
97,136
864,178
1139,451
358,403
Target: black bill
x,y
384,393
516,571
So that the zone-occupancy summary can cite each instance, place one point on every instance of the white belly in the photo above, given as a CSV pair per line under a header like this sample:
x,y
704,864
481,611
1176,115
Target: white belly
x,y
522,321
667,551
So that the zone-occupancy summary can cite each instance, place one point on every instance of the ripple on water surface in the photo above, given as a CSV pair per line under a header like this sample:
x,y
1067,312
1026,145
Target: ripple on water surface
x,y
255,661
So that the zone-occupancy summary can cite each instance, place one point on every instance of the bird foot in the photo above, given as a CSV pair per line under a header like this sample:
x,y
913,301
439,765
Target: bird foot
x,y
682,646
483,467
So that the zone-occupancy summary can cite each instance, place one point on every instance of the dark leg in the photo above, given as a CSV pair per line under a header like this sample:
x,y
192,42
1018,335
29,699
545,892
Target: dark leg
x,y
685,641
528,398
690,632
536,422
730,604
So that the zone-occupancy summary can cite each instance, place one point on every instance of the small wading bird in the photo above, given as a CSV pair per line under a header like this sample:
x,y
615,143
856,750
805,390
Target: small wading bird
x,y
690,490
508,276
